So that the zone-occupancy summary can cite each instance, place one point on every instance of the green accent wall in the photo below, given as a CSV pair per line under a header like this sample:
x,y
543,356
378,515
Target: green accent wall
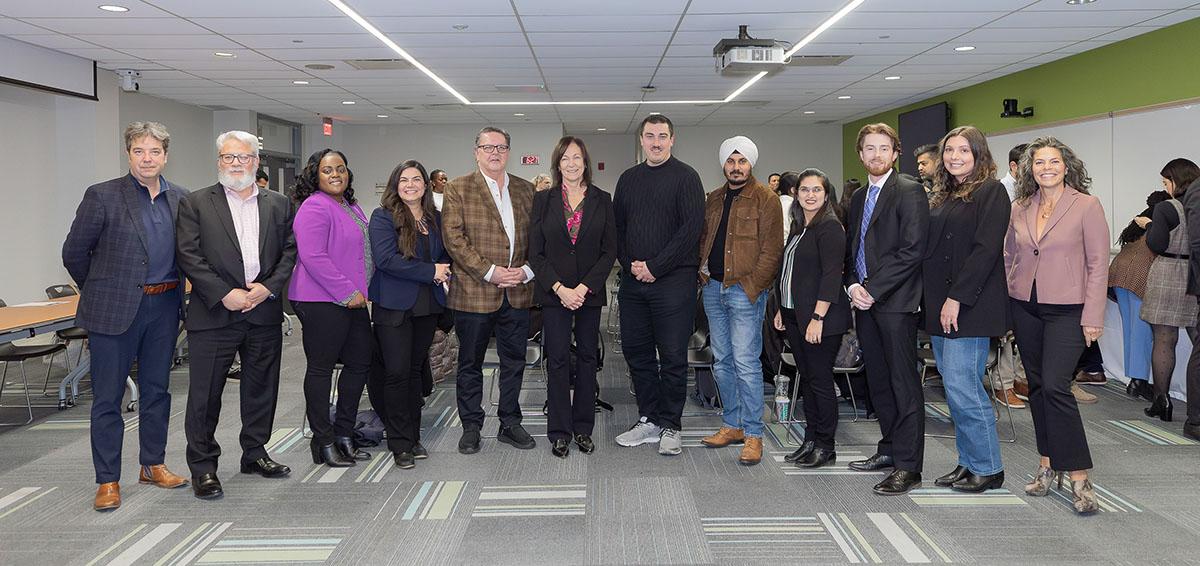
x,y
1148,69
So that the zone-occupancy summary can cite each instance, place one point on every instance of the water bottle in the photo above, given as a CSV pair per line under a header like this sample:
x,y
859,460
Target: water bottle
x,y
782,400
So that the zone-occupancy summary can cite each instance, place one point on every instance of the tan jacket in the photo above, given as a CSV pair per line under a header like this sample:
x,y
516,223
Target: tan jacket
x,y
754,245
475,238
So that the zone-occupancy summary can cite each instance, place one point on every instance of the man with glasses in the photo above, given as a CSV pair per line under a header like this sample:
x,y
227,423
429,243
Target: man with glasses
x,y
236,246
485,225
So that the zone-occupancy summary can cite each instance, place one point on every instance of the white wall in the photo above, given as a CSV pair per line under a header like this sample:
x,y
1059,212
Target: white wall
x,y
616,151
192,156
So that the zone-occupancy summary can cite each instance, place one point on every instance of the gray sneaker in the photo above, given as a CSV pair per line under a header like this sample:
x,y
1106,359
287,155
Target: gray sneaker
x,y
642,432
669,443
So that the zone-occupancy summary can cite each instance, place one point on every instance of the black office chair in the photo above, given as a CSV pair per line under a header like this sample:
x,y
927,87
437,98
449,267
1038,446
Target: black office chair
x,y
67,335
13,353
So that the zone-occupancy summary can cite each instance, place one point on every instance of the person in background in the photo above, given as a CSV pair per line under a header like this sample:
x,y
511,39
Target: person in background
x,y
848,188
1191,207
786,200
1013,388
927,157
1127,276
773,183
437,185
262,180
541,182
1009,180
1166,306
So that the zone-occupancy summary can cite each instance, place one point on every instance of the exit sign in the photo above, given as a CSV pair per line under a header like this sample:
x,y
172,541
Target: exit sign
x,y
530,159
327,126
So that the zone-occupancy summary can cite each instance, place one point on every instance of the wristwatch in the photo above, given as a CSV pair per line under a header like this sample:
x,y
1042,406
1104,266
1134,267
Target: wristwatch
x,y
818,317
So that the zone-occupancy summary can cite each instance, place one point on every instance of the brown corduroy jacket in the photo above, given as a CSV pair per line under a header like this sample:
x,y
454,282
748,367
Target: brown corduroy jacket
x,y
754,244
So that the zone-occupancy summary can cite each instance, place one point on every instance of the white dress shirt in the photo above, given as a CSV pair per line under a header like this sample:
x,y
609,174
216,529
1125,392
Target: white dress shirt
x,y
503,199
1010,185
786,201
245,223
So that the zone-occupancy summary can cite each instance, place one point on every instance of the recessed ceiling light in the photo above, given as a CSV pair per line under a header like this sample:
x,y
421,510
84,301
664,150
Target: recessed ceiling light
x,y
965,48
601,129
347,102
299,82
1079,2
656,112
892,78
518,114
225,55
381,115
460,27
844,97
113,8
810,112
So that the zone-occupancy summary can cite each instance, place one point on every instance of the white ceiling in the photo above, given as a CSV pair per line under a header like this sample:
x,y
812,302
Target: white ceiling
x,y
580,50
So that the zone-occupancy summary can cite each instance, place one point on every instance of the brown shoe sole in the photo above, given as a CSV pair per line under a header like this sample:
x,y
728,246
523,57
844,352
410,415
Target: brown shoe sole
x,y
183,483
715,445
749,462
108,507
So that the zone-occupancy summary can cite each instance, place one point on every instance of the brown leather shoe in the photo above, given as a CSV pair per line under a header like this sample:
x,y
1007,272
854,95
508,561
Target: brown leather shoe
x,y
1091,378
162,477
724,437
751,452
1020,388
1009,399
108,496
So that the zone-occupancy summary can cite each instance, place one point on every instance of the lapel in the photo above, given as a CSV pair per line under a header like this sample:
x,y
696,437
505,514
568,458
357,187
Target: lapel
x,y
484,192
1064,205
263,217
937,223
885,196
173,197
590,201
134,205
216,197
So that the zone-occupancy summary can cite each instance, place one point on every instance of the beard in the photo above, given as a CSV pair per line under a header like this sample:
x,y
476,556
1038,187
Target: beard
x,y
878,168
235,181
736,177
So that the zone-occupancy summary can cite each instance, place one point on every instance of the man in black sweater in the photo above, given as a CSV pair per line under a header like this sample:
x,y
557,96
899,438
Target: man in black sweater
x,y
659,206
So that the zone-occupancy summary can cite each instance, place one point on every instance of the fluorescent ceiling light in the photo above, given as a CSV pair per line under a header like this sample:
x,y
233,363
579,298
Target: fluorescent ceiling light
x,y
371,29
844,97
892,78
225,55
113,8
299,82
347,102
518,114
601,129
965,48
810,112
381,115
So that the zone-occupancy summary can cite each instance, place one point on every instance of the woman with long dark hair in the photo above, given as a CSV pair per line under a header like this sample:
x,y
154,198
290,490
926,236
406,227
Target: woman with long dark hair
x,y
966,300
328,291
814,312
411,265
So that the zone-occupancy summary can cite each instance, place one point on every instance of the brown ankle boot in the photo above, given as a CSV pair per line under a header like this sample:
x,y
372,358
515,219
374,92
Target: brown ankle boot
x,y
724,437
108,496
162,477
751,452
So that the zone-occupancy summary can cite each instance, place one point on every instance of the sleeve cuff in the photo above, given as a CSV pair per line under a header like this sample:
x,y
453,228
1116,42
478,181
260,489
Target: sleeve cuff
x,y
488,276
528,272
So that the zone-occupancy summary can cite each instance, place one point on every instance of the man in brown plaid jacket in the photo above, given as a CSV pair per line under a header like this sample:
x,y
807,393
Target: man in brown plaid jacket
x,y
485,225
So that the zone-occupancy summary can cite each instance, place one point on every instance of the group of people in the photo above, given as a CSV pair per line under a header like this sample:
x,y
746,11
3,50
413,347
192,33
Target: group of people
x,y
964,261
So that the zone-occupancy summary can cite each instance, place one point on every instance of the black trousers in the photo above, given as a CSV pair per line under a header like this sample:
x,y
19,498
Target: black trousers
x,y
334,333
1193,382
570,416
814,372
211,353
889,347
656,321
404,348
511,327
1050,340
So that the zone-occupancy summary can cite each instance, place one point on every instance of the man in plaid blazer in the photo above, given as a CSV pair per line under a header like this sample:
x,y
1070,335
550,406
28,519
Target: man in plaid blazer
x,y
485,224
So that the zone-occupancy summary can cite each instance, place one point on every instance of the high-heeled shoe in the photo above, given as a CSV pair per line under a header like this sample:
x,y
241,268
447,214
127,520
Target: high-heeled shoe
x,y
1084,499
1139,389
329,455
1161,408
1040,486
349,452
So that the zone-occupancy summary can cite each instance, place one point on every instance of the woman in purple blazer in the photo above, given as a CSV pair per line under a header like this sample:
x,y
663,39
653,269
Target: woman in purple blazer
x,y
1059,310
328,291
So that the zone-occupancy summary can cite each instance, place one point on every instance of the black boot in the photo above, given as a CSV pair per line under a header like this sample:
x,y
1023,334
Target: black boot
x,y
329,455
1161,408
1140,388
346,447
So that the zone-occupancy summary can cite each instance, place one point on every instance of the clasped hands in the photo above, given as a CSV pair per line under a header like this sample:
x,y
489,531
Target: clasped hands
x,y
572,299
860,298
507,277
441,273
244,300
641,272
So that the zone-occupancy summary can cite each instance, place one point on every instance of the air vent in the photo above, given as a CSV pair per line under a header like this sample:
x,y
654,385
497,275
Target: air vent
x,y
318,66
217,107
402,108
817,60
379,64
442,106
750,103
826,122
527,89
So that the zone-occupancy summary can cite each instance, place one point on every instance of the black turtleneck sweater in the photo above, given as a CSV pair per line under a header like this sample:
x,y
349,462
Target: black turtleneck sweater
x,y
659,214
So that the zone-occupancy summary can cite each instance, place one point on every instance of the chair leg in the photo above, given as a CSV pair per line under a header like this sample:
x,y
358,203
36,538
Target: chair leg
x,y
28,402
50,364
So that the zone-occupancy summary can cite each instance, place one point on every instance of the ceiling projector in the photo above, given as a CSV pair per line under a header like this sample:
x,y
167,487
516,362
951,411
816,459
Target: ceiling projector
x,y
747,55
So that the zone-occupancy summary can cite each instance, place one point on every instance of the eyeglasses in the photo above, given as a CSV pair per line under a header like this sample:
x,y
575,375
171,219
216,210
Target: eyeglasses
x,y
243,158
493,148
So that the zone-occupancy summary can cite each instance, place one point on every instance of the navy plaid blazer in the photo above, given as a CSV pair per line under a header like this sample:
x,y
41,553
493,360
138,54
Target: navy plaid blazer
x,y
105,253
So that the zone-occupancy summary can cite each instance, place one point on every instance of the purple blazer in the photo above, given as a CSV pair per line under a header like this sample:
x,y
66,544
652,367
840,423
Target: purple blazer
x,y
330,265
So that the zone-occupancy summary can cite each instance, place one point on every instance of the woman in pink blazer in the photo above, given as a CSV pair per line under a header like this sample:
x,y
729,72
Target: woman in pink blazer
x,y
1056,259
328,291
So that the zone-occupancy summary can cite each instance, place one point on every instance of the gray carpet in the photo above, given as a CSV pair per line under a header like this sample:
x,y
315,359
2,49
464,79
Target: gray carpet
x,y
617,505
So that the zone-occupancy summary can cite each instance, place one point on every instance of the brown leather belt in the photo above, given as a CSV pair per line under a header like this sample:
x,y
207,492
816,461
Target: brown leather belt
x,y
159,288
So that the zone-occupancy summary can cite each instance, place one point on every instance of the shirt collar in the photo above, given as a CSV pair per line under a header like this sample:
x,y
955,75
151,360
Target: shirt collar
x,y
162,184
491,183
233,194
882,180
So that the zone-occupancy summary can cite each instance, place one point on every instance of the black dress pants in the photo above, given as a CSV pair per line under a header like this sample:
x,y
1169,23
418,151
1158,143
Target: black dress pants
x,y
656,321
814,372
404,348
334,333
1193,382
511,327
570,416
889,348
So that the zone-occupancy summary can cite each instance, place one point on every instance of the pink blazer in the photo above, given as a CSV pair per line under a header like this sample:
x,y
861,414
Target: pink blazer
x,y
1074,249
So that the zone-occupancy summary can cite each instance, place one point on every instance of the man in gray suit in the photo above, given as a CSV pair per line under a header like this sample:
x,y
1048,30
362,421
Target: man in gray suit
x,y
1191,208
237,248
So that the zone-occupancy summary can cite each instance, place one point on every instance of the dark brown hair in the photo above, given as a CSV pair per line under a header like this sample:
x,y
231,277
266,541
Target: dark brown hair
x,y
879,128
402,217
790,181
556,179
945,186
1182,172
656,119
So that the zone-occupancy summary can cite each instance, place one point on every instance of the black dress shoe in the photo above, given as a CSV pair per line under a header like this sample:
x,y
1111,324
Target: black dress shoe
x,y
207,486
329,455
405,460
899,483
817,458
949,479
1191,431
516,437
348,450
585,444
419,452
805,449
469,443
560,447
876,462
975,484
267,468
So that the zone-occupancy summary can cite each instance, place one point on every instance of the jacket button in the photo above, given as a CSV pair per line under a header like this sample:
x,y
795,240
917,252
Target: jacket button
x,y
143,262
948,236
947,258
947,280
1035,252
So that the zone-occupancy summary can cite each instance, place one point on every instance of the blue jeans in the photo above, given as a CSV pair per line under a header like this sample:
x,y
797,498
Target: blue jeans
x,y
735,331
1138,338
962,363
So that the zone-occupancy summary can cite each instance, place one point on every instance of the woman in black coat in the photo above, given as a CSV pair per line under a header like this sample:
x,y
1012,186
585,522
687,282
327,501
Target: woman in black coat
x,y
572,248
966,297
814,311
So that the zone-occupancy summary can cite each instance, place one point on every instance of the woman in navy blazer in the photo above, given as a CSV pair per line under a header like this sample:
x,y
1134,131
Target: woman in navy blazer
x,y
411,265
572,248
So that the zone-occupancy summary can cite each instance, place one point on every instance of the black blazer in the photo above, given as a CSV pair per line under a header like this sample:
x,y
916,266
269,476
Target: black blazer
x,y
397,279
554,259
895,243
817,275
208,252
965,262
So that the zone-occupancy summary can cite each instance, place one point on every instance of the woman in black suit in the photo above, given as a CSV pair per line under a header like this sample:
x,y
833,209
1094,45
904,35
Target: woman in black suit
x,y
814,311
572,248
411,265
966,297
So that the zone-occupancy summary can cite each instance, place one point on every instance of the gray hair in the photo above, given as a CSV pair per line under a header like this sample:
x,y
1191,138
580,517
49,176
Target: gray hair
x,y
1075,176
541,177
493,130
138,130
244,137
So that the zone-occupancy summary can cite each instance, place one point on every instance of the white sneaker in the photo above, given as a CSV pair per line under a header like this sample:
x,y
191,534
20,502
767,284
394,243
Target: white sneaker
x,y
642,432
669,443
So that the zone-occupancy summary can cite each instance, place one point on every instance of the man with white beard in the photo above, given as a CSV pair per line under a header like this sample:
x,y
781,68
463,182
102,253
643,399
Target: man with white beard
x,y
235,244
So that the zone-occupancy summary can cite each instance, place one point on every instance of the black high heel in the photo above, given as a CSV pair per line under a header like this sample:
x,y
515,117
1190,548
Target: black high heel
x,y
1161,408
346,447
329,455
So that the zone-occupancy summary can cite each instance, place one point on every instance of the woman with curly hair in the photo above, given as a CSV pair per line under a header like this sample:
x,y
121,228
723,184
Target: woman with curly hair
x,y
329,293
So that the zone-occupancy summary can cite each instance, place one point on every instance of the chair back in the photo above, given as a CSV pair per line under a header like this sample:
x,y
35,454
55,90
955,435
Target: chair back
x,y
60,291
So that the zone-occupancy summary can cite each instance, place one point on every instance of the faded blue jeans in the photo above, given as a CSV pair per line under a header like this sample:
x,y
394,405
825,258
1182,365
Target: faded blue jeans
x,y
735,327
962,363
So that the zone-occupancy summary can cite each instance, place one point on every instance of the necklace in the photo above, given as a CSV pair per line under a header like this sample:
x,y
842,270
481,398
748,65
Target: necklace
x,y
1048,208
